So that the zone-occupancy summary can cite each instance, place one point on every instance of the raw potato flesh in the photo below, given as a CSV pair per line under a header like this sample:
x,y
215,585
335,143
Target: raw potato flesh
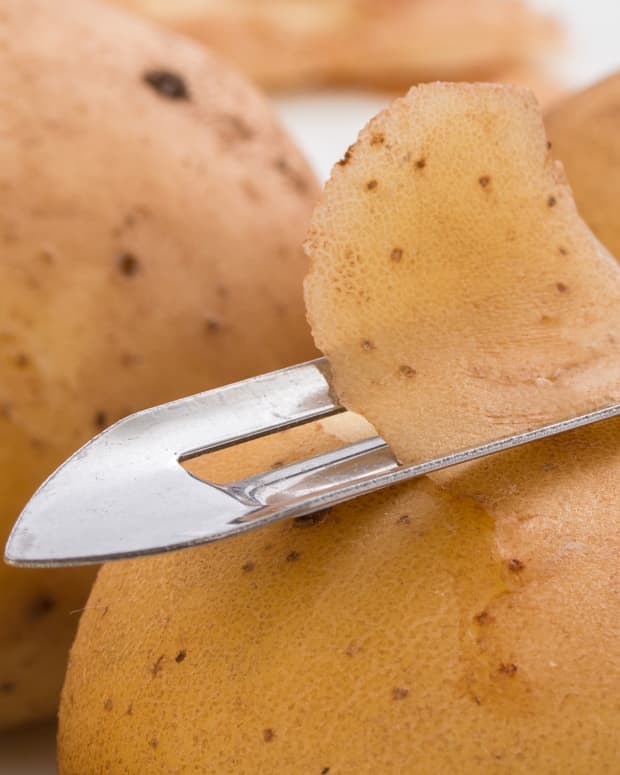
x,y
454,288
295,43
414,631
152,212
584,133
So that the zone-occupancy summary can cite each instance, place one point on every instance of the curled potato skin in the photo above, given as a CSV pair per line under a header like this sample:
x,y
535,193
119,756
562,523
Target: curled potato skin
x,y
454,287
152,210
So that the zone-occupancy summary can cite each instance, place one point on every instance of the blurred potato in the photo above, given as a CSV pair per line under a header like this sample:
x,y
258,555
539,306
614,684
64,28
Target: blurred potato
x,y
284,44
584,132
152,211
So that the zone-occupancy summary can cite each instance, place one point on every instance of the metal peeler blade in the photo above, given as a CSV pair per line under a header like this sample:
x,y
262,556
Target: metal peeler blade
x,y
124,494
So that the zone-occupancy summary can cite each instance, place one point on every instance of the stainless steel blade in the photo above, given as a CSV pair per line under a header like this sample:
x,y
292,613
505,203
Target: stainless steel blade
x,y
124,494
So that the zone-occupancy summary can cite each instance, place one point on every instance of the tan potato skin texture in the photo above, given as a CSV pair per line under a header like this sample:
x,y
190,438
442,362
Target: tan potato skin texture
x,y
210,201
584,133
453,285
414,631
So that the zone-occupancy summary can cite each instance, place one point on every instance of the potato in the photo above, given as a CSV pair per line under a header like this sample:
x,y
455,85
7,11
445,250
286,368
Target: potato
x,y
152,216
284,44
454,288
413,631
468,625
584,133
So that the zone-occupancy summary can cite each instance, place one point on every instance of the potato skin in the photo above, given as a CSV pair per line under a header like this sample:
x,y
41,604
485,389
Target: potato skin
x,y
584,132
152,211
471,628
453,285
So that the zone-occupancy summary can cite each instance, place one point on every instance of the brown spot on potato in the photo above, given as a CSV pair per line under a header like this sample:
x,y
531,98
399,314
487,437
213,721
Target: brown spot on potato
x,y
101,419
167,84
22,361
298,181
399,693
420,163
406,371
247,567
128,264
180,657
515,565
293,556
367,345
157,666
484,618
377,138
371,185
484,181
41,607
7,687
549,145
108,705
128,359
508,668
552,201
348,154
129,711
396,255
404,520
562,287
268,735
154,742
213,326
46,256
235,128
563,251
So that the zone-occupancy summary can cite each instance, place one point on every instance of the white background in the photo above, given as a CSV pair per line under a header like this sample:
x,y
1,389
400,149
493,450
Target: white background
x,y
325,125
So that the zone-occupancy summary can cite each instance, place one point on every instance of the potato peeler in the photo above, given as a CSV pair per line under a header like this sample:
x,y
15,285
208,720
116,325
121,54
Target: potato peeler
x,y
125,494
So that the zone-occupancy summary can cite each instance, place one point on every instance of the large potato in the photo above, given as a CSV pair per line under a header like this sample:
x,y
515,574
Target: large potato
x,y
467,625
415,631
150,229
584,132
297,43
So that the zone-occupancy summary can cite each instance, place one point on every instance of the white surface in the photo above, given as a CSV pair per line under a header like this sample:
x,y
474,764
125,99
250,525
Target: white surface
x,y
325,125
